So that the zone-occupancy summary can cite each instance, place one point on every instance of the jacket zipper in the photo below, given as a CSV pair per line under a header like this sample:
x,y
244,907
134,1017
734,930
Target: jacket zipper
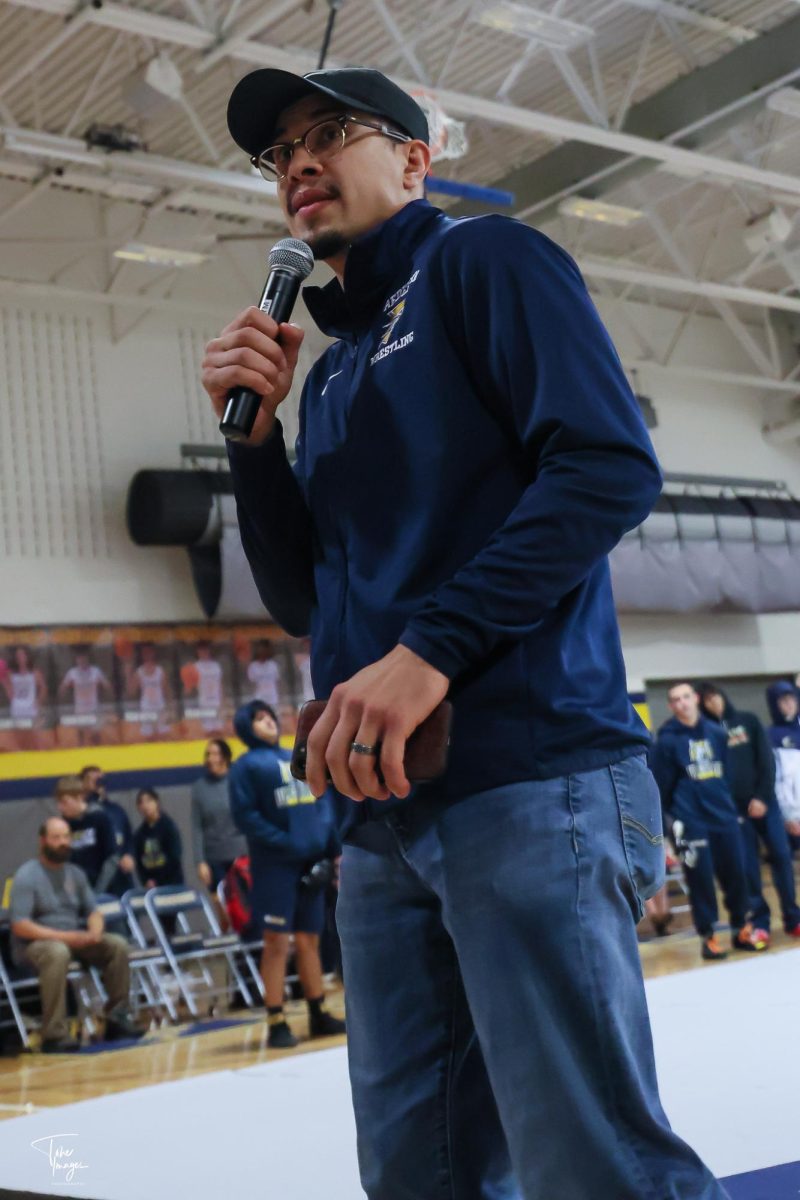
x,y
353,352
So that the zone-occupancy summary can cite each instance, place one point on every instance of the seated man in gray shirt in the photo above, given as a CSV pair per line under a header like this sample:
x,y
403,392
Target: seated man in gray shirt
x,y
54,920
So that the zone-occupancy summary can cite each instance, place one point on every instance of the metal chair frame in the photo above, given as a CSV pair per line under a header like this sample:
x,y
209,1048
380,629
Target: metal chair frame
x,y
179,900
146,962
248,947
77,976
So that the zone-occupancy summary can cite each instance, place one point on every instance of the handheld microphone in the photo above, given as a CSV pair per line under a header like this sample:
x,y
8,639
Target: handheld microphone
x,y
290,262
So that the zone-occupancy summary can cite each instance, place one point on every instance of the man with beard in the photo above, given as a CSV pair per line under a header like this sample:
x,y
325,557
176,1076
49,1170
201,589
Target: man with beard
x,y
54,920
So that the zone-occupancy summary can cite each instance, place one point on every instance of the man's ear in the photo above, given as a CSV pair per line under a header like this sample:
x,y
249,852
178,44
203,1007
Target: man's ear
x,y
418,164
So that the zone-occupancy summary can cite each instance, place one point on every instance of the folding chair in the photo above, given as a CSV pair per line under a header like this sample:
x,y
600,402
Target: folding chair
x,y
145,962
133,906
193,945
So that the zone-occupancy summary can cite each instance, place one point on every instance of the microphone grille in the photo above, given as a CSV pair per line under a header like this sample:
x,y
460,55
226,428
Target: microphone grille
x,y
293,255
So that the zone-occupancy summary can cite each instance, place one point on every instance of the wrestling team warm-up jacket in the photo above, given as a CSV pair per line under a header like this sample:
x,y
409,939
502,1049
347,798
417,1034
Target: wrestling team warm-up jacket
x,y
690,764
469,453
280,818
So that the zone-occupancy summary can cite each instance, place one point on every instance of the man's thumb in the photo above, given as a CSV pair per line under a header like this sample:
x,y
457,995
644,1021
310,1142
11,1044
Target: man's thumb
x,y
291,339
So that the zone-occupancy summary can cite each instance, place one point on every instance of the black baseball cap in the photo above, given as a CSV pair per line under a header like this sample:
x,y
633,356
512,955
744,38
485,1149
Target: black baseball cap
x,y
260,97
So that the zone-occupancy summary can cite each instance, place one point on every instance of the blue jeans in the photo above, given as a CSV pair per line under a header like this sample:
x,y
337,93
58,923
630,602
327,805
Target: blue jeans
x,y
498,1035
771,830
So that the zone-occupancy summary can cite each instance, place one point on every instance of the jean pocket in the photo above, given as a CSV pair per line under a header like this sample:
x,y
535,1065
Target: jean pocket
x,y
642,828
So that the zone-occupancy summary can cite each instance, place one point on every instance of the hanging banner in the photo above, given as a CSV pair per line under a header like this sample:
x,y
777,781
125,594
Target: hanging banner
x,y
68,687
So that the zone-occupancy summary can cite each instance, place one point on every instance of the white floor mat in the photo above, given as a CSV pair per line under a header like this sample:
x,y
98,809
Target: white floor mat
x,y
728,1056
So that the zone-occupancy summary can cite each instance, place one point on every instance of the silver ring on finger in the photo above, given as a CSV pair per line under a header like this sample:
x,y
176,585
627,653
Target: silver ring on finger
x,y
363,748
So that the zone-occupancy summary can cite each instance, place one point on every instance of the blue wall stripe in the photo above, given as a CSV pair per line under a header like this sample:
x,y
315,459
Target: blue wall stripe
x,y
119,781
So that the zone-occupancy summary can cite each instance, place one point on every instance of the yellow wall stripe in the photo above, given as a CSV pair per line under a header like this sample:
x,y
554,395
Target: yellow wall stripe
x,y
143,756
643,709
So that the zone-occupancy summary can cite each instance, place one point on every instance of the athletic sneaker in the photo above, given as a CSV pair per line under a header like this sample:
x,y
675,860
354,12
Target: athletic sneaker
x,y
280,1037
795,932
62,1045
749,939
712,950
322,1024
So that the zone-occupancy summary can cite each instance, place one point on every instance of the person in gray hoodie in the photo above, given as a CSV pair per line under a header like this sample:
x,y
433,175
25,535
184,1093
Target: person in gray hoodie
x,y
215,839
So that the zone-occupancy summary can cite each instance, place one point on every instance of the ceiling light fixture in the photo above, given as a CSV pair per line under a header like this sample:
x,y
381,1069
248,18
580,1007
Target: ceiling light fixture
x,y
598,210
154,87
160,256
532,23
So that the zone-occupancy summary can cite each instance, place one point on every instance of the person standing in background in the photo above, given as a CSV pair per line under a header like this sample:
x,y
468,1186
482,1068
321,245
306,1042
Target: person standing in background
x,y
215,839
94,846
157,843
689,762
288,831
94,791
783,699
751,774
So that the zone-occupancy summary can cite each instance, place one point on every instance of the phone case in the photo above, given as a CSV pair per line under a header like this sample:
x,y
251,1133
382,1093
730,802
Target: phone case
x,y
426,750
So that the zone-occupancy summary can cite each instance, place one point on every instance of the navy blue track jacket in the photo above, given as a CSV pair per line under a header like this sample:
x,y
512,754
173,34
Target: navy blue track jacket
x,y
93,846
469,453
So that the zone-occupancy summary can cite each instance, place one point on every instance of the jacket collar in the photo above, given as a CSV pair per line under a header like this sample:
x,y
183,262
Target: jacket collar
x,y
373,261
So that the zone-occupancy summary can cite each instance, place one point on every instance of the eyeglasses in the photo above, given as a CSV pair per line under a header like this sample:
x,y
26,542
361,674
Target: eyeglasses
x,y
322,141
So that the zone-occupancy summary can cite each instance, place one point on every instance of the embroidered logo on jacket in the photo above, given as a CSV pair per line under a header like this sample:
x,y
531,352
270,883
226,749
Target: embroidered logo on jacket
x,y
398,295
394,316
387,346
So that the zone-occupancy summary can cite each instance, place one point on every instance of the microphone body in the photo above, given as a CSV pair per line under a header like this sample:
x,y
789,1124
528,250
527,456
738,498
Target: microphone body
x,y
290,262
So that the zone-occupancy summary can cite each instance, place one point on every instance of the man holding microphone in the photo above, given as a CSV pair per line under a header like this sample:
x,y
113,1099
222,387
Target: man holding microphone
x,y
469,453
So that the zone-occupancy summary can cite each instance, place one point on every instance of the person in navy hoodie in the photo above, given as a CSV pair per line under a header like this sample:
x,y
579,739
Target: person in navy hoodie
x,y
751,769
94,790
690,763
157,847
288,832
469,453
783,699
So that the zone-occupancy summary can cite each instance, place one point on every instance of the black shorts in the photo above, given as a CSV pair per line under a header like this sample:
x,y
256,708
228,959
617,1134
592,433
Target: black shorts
x,y
219,869
279,902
